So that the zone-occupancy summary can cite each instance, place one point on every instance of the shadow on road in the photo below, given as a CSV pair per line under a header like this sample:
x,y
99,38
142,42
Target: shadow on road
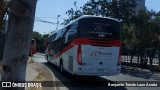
x,y
137,72
81,82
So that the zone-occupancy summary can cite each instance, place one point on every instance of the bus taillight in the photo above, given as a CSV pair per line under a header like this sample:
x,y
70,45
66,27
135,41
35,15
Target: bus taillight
x,y
119,58
79,55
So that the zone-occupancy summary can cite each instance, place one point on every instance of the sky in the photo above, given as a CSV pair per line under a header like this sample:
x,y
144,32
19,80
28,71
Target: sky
x,y
48,10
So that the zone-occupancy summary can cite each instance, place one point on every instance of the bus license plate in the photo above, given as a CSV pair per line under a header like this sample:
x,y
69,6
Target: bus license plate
x,y
100,70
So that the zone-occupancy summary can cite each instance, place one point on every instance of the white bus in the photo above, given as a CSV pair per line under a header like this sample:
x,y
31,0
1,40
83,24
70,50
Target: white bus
x,y
88,46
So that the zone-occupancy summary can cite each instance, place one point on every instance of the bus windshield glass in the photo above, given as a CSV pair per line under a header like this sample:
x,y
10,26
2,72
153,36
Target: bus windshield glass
x,y
100,28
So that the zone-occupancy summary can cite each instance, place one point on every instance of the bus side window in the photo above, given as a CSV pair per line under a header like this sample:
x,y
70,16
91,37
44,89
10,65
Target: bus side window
x,y
52,37
71,33
66,34
70,36
51,44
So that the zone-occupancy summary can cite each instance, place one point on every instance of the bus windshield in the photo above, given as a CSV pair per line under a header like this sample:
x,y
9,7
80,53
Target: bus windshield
x,y
100,28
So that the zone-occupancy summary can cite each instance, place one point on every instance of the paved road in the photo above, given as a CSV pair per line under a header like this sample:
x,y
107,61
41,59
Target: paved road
x,y
127,74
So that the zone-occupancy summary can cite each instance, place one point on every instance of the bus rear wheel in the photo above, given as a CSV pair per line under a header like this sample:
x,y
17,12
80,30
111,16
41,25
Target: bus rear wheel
x,y
47,59
61,66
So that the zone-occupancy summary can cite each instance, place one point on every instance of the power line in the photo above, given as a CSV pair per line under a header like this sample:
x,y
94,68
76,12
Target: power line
x,y
40,20
51,17
44,21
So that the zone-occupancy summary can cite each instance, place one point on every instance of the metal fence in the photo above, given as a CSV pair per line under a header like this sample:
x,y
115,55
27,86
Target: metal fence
x,y
135,59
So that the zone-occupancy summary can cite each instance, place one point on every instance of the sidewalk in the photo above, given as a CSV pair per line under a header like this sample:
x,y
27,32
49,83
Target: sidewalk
x,y
40,54
36,69
38,72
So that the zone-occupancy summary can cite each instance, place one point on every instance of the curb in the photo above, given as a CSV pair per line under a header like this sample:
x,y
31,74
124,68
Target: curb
x,y
55,88
50,71
51,75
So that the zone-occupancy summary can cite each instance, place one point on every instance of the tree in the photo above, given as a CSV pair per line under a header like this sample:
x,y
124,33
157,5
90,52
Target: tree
x,y
2,35
146,31
20,26
154,26
119,9
2,10
40,40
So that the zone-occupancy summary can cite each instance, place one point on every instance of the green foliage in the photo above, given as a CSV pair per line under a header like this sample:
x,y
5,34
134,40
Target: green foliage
x,y
40,39
120,9
4,9
1,14
36,35
140,32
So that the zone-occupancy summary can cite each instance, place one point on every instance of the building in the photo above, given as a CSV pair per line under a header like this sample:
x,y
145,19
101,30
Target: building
x,y
140,5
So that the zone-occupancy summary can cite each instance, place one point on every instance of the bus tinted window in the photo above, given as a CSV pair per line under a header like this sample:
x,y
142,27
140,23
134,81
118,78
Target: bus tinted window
x,y
71,32
100,28
52,37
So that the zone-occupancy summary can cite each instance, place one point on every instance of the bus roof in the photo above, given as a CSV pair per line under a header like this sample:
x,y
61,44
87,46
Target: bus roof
x,y
83,17
92,16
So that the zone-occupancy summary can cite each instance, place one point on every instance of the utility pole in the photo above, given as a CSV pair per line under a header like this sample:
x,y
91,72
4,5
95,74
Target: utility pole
x,y
57,22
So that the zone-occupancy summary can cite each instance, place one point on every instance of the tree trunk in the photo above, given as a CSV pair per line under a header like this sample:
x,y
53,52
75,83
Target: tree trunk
x,y
132,54
138,59
20,26
151,61
159,61
151,57
2,41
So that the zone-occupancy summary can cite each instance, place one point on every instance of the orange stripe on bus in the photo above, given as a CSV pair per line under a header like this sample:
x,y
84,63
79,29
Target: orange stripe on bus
x,y
86,41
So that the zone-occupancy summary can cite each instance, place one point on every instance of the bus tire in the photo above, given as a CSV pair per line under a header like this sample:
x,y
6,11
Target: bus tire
x,y
61,66
48,60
